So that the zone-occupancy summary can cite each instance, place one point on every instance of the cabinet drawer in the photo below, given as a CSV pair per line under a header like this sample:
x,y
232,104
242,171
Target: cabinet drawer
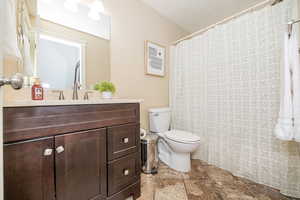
x,y
133,190
123,172
123,140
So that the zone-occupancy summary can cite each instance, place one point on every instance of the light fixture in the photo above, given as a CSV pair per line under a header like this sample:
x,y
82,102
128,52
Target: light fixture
x,y
97,5
71,5
94,15
95,9
47,1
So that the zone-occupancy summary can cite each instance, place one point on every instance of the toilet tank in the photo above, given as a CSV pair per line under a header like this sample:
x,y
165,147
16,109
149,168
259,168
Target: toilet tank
x,y
159,119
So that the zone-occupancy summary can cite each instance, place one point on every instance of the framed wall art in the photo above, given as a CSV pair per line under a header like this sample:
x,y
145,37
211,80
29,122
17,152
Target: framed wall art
x,y
155,59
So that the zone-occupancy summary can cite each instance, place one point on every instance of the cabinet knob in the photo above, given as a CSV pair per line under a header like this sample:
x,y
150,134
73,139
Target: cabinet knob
x,y
48,152
60,149
125,140
126,172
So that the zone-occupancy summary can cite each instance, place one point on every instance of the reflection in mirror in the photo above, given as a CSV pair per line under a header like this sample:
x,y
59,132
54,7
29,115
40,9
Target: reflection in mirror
x,y
52,39
56,62
94,55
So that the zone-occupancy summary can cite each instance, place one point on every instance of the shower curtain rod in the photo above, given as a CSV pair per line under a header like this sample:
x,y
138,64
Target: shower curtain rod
x,y
290,27
255,7
294,22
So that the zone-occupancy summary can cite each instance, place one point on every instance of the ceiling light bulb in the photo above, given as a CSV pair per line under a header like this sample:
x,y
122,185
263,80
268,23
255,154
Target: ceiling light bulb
x,y
71,5
94,15
98,6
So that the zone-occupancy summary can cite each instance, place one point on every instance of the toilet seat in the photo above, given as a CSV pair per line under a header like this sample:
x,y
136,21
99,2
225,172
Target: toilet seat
x,y
182,136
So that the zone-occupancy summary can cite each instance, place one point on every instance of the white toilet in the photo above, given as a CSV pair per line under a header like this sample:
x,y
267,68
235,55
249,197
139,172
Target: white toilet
x,y
174,146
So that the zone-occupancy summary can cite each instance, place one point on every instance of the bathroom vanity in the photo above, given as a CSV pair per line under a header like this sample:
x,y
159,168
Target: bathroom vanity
x,y
72,152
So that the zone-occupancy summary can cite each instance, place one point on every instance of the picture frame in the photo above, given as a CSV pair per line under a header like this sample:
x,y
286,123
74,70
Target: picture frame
x,y
155,59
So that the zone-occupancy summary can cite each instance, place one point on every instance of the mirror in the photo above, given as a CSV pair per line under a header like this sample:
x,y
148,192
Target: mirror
x,y
59,48
56,62
57,39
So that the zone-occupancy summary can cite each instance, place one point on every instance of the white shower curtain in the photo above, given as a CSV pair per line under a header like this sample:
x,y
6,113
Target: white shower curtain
x,y
225,87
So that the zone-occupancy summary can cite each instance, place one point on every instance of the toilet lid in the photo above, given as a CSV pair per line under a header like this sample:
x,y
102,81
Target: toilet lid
x,y
182,136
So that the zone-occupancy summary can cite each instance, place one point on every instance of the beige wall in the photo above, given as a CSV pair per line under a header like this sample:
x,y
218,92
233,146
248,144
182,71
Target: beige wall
x,y
132,23
97,51
11,66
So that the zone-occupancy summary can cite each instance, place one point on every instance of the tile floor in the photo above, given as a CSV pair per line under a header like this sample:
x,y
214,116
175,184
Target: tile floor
x,y
204,182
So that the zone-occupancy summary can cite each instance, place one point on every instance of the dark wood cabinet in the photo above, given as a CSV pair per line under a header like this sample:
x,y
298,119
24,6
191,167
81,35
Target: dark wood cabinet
x,y
78,152
123,172
123,140
81,165
22,123
133,190
29,170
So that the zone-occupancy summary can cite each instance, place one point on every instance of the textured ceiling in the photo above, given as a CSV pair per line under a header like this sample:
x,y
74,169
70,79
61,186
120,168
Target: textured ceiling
x,y
193,15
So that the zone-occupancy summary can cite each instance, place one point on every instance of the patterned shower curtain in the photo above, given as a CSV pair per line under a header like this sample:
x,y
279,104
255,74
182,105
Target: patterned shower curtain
x,y
225,87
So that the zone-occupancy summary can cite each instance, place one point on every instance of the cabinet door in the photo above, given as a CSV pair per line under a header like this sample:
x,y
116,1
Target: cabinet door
x,y
81,165
29,170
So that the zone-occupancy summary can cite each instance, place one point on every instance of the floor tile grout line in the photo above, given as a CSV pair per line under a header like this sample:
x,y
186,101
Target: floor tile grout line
x,y
154,189
185,188
216,176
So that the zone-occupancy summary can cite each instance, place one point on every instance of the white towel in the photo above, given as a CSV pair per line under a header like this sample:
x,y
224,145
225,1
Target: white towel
x,y
288,126
9,30
295,64
284,127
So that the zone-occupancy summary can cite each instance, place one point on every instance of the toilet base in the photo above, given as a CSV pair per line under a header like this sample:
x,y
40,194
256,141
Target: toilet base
x,y
178,161
181,162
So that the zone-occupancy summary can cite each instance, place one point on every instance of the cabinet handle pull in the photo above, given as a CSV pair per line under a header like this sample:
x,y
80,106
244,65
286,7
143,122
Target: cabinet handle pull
x,y
125,140
126,172
48,152
60,149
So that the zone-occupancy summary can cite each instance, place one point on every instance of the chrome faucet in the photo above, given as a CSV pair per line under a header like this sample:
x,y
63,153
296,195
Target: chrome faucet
x,y
76,85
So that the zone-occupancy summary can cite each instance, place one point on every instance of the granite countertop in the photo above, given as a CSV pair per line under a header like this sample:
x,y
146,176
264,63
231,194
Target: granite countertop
x,y
29,103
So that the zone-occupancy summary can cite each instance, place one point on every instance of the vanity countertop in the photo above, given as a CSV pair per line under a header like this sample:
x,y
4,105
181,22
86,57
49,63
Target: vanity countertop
x,y
26,103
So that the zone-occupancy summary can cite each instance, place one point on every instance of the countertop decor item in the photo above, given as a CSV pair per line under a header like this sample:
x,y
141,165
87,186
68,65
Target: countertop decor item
x,y
37,92
155,59
106,88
